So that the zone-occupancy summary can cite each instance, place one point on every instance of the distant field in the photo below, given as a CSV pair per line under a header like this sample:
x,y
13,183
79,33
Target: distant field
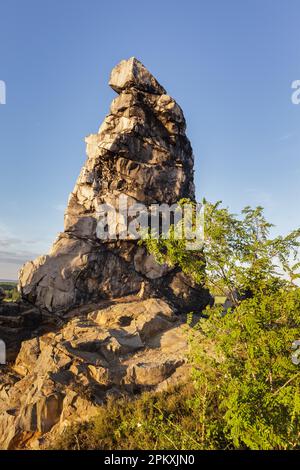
x,y
8,285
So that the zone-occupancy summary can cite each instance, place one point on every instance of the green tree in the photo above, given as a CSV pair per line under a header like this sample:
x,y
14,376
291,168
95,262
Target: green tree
x,y
247,389
238,254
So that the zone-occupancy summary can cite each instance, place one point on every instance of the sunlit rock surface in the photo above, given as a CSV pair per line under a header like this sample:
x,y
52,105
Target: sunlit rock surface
x,y
141,151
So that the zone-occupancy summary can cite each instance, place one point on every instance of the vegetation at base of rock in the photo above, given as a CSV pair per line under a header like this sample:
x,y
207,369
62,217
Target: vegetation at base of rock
x,y
152,421
250,389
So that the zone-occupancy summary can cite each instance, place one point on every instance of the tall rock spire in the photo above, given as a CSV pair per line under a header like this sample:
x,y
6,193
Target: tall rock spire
x,y
141,151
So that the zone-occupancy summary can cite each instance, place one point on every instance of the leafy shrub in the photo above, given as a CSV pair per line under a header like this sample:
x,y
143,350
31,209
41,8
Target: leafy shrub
x,y
251,386
11,291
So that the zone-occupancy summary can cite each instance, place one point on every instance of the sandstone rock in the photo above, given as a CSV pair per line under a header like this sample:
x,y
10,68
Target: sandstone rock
x,y
146,265
27,356
99,315
141,151
62,376
18,321
132,73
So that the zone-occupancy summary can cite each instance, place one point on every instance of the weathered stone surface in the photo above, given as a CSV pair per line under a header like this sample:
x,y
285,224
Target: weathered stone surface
x,y
62,376
132,73
141,151
18,321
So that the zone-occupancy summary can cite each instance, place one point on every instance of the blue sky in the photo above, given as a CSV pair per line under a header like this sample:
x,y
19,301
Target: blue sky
x,y
229,64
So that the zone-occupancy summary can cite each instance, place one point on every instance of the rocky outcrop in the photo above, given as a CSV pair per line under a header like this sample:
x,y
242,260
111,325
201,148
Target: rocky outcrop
x,y
62,376
99,315
20,321
141,151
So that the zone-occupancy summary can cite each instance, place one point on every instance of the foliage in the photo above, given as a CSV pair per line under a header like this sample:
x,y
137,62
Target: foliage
x,y
251,379
11,291
238,254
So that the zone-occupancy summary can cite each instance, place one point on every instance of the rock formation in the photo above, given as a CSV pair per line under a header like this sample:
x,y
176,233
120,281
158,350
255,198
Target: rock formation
x,y
104,320
141,151
61,377
17,321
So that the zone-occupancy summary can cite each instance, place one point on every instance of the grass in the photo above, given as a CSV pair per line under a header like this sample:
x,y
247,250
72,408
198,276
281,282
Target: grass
x,y
219,300
164,420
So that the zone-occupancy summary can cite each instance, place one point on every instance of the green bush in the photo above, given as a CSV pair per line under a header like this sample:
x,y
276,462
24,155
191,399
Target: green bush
x,y
11,291
250,384
238,254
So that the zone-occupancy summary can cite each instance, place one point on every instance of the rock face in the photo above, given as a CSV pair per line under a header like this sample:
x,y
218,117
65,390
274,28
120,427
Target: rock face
x,y
62,376
141,151
18,321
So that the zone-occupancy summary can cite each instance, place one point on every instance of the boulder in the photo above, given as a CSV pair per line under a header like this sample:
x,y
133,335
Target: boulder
x,y
62,376
132,73
18,322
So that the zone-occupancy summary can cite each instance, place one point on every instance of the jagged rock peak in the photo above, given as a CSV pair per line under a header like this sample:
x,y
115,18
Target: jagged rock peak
x,y
132,73
141,152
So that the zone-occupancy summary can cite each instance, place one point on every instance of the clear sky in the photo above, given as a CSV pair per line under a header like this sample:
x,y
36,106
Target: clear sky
x,y
228,63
